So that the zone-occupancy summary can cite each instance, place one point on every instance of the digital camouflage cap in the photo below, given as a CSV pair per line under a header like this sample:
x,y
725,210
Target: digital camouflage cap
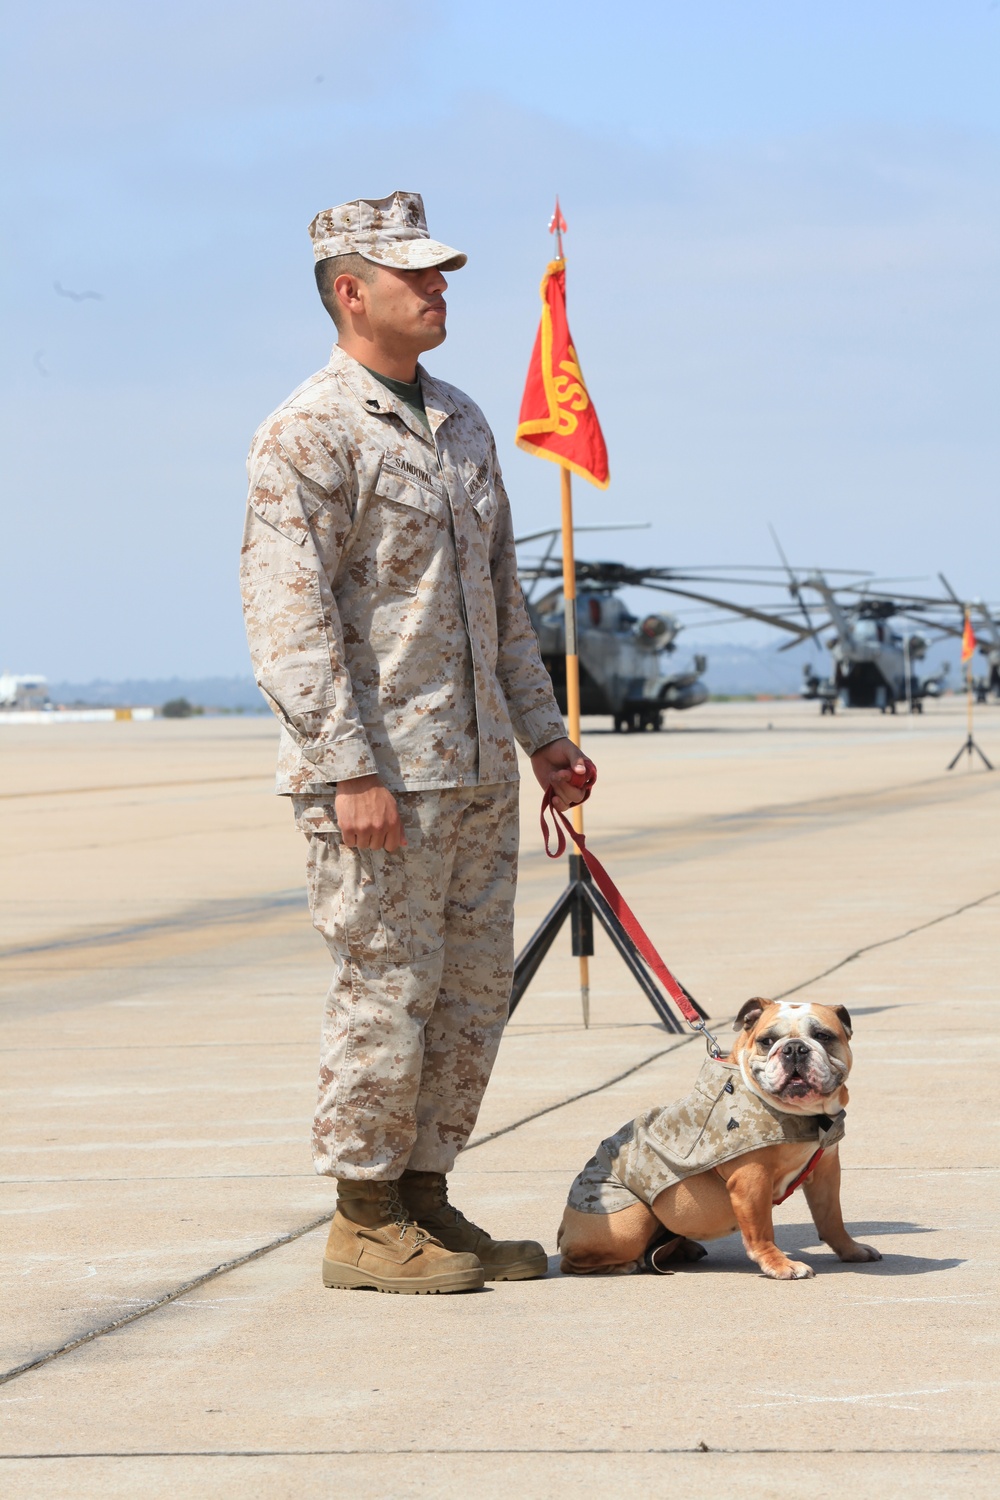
x,y
389,231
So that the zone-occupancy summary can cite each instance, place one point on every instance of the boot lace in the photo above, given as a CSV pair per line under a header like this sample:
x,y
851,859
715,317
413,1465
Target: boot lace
x,y
400,1218
442,1206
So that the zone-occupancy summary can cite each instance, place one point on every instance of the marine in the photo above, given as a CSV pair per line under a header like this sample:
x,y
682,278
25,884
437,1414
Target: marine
x,y
390,637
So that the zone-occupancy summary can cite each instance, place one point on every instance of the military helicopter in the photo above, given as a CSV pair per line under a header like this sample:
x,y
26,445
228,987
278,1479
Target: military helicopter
x,y
621,656
987,628
873,652
873,660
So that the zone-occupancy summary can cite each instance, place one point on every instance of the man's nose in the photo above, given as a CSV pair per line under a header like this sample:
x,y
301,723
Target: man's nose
x,y
795,1052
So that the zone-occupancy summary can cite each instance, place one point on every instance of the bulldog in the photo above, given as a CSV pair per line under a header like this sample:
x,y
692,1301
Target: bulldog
x,y
759,1123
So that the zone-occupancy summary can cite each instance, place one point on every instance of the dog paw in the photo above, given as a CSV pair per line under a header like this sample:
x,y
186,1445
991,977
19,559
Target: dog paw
x,y
791,1270
859,1252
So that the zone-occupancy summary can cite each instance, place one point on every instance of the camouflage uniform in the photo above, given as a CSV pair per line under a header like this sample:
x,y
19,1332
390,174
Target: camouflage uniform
x,y
719,1120
389,634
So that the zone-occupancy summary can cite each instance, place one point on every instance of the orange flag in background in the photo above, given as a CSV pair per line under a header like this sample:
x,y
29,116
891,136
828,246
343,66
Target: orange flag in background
x,y
968,640
558,420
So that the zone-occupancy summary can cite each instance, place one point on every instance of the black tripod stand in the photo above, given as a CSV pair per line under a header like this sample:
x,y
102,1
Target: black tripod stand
x,y
582,902
968,748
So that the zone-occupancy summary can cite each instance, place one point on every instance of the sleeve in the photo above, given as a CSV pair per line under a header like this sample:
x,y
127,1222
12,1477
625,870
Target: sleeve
x,y
293,627
526,684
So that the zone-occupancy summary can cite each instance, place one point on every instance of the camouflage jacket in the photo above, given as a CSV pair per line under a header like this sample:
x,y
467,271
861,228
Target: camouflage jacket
x,y
720,1119
385,619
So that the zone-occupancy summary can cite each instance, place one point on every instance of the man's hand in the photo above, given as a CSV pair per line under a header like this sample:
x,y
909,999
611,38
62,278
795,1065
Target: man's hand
x,y
555,765
367,815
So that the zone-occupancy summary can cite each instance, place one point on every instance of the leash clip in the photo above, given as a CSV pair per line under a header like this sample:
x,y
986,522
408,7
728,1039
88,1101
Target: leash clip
x,y
711,1045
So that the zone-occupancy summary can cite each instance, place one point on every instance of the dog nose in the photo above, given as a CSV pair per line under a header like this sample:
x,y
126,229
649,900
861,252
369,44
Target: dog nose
x,y
795,1052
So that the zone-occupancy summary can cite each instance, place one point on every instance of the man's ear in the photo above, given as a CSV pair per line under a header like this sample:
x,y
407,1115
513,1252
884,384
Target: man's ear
x,y
844,1017
750,1013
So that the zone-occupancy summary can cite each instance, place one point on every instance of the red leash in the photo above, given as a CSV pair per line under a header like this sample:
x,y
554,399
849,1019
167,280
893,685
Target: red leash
x,y
626,916
632,926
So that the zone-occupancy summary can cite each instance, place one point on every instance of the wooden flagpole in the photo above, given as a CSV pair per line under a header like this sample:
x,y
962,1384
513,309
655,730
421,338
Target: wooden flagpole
x,y
968,688
573,677
581,901
968,677
570,631
970,747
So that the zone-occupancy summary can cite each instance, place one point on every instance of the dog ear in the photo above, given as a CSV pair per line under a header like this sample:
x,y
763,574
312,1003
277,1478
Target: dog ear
x,y
844,1017
750,1013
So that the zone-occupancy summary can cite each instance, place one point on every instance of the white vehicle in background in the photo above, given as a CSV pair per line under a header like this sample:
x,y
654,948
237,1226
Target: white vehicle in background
x,y
18,693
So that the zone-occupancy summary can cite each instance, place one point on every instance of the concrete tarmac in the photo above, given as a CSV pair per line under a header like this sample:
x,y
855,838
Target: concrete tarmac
x,y
160,993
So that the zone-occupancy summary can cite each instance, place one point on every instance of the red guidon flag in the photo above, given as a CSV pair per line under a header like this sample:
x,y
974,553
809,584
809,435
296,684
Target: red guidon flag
x,y
558,420
968,640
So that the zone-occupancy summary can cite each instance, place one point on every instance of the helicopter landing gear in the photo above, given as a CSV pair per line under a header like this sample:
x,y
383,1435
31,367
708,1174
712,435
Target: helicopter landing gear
x,y
916,707
826,707
635,720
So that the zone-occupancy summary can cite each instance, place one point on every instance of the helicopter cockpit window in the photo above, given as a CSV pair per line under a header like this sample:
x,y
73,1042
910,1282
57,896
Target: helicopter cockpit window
x,y
595,611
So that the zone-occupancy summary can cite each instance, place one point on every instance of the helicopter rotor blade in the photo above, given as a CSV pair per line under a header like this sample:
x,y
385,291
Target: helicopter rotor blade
x,y
535,536
790,645
736,609
794,588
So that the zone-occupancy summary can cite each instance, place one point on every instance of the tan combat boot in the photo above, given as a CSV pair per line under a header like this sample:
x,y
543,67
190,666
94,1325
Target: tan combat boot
x,y
425,1195
373,1243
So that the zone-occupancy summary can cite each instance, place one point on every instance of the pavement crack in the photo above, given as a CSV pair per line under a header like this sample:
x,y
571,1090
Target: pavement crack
x,y
286,1239
295,1234
678,1448
162,1301
598,1088
886,942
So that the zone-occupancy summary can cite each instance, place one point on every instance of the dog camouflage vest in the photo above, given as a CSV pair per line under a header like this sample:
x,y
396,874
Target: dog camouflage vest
x,y
719,1120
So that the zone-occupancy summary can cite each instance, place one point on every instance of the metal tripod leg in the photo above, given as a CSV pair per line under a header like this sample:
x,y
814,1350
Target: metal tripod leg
x,y
967,748
538,945
582,901
623,943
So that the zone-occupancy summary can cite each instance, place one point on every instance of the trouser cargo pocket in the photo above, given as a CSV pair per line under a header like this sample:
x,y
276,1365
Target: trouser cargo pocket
x,y
358,897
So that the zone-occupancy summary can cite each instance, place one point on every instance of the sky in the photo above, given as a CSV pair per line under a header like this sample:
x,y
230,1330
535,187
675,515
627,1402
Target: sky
x,y
783,279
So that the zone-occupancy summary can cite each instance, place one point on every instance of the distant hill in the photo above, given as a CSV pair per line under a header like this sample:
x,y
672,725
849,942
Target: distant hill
x,y
230,693
733,669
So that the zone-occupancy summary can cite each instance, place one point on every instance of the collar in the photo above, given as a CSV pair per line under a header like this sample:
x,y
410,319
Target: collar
x,y
378,400
438,402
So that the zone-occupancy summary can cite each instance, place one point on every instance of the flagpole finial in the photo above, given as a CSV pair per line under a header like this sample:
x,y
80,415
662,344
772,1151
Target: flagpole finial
x,y
558,226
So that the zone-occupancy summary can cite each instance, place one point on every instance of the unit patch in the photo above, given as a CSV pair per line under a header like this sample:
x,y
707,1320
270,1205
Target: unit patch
x,y
478,480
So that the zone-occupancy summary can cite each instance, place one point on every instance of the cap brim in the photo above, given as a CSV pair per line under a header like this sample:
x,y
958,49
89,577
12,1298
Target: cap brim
x,y
418,255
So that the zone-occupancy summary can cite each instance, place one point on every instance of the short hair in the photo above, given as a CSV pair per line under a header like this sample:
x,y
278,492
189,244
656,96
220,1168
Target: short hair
x,y
327,272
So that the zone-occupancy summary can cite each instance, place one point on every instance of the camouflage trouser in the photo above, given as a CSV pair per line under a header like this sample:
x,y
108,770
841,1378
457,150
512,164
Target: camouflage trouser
x,y
423,946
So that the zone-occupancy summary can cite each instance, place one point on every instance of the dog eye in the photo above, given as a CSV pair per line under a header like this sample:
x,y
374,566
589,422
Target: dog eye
x,y
766,1042
824,1037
